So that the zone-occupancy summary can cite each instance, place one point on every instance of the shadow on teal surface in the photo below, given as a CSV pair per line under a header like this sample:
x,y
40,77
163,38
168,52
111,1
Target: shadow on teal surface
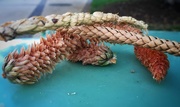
x,y
75,85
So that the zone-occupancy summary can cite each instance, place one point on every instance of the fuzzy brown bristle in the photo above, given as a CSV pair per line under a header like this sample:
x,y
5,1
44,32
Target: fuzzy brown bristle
x,y
154,60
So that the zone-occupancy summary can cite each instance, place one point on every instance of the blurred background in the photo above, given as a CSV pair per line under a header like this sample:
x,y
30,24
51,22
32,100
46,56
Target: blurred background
x,y
18,9
159,14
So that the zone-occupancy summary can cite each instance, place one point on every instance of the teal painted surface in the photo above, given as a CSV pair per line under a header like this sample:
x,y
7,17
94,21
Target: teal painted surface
x,y
75,85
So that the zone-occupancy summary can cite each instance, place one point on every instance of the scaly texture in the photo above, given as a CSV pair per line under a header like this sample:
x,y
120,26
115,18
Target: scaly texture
x,y
79,37
155,61
112,35
29,65
68,20
158,67
10,30
94,54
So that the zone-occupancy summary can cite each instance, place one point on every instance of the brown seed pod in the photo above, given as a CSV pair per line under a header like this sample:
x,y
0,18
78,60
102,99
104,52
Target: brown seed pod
x,y
154,60
29,65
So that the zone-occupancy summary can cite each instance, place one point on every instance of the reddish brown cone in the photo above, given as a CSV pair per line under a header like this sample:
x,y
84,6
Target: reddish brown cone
x,y
29,65
154,60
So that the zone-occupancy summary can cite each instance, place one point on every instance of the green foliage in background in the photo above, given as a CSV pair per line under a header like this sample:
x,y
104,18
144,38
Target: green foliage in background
x,y
98,4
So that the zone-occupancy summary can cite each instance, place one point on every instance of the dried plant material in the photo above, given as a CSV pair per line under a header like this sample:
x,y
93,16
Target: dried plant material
x,y
154,60
84,20
29,65
95,54
36,24
117,36
80,37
